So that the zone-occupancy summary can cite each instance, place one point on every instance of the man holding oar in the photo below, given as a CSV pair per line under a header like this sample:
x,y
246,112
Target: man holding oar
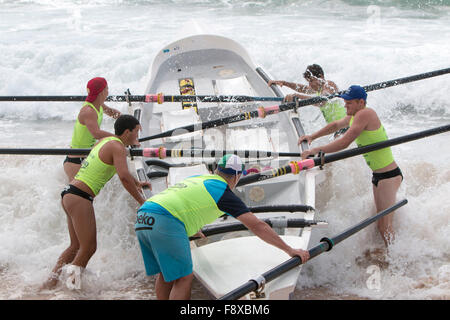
x,y
107,157
317,85
87,127
167,220
365,128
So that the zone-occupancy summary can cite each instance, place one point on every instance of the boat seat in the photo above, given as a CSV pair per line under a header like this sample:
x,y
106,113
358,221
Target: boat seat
x,y
178,174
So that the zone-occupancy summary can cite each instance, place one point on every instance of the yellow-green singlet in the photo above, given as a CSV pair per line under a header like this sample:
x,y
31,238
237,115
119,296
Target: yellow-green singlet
x,y
94,172
332,110
379,158
190,202
82,138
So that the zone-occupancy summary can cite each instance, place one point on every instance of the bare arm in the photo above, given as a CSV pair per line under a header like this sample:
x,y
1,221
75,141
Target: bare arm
x,y
113,113
88,117
128,181
265,232
328,129
359,124
292,85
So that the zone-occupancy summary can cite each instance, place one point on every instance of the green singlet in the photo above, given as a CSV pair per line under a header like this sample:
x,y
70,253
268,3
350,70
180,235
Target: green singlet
x,y
379,158
82,138
332,110
190,202
94,172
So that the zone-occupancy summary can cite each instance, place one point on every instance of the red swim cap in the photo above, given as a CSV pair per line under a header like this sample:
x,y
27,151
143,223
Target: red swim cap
x,y
94,87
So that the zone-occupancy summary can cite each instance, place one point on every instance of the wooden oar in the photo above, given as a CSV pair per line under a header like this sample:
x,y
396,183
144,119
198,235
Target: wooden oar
x,y
326,244
261,112
158,98
297,166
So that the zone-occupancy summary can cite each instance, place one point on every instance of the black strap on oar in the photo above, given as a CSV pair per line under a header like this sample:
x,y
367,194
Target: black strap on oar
x,y
262,112
325,245
146,98
328,158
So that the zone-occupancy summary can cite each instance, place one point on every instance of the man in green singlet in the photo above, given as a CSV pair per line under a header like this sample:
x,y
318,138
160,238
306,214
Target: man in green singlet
x,y
317,85
167,220
365,128
107,157
87,127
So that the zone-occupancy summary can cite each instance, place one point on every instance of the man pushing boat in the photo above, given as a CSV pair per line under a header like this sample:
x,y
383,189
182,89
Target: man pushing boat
x,y
167,220
366,128
317,85
107,157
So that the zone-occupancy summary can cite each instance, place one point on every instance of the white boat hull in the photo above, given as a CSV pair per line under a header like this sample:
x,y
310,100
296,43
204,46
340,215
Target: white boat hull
x,y
220,66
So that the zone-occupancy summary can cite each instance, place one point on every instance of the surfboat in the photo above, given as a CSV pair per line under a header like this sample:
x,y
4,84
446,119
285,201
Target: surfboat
x,y
215,65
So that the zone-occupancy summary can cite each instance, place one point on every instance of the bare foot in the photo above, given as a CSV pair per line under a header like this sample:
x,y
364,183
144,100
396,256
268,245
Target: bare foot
x,y
51,283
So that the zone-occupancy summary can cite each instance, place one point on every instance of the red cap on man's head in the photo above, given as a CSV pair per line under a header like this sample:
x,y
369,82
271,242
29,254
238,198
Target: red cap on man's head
x,y
94,87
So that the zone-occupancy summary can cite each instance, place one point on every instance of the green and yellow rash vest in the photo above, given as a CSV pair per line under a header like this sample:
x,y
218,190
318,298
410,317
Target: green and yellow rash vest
x,y
197,201
82,138
332,110
375,159
94,172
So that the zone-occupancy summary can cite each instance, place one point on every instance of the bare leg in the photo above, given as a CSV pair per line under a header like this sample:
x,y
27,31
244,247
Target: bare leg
x,y
82,215
71,169
82,231
66,257
385,197
181,289
163,288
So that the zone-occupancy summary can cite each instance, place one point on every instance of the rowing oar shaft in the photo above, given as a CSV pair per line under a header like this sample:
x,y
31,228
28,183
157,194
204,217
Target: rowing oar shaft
x,y
158,98
162,153
161,98
273,223
261,112
325,245
297,166
54,152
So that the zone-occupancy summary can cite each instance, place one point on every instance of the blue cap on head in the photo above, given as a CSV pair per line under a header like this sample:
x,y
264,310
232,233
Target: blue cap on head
x,y
354,92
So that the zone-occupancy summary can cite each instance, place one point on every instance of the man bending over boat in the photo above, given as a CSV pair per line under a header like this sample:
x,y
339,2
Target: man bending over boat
x,y
317,85
167,220
107,157
87,127
365,128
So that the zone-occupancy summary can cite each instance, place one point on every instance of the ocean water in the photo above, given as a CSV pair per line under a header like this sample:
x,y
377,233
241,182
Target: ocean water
x,y
55,47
